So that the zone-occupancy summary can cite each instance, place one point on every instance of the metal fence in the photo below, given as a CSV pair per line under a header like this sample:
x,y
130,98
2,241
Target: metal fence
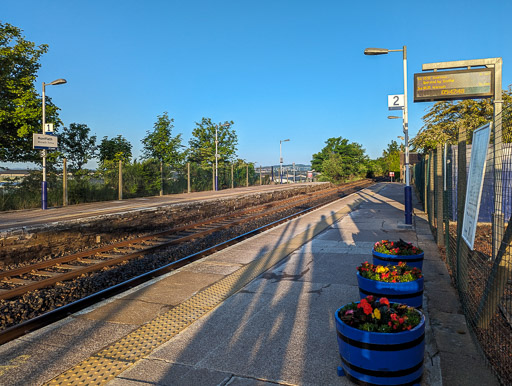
x,y
115,181
482,276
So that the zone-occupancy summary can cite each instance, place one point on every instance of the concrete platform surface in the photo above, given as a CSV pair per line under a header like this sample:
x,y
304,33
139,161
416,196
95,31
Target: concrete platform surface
x,y
277,328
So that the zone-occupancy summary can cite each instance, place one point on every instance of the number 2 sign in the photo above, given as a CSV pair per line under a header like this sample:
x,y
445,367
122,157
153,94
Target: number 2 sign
x,y
396,102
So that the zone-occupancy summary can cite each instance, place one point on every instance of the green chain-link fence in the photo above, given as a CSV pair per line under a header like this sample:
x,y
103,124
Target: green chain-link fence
x,y
482,276
149,178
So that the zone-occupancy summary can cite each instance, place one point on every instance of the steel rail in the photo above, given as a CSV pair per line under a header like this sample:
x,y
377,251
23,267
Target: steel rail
x,y
76,271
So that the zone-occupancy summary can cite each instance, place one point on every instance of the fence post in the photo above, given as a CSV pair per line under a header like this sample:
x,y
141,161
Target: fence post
x,y
498,219
120,188
439,194
64,183
260,175
232,177
161,178
461,261
447,200
431,201
188,177
247,175
425,184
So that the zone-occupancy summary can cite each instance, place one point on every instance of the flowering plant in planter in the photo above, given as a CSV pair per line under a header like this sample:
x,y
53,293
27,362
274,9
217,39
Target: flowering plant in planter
x,y
400,273
379,316
396,248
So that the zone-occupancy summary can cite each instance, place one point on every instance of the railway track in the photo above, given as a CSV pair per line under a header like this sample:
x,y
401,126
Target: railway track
x,y
15,284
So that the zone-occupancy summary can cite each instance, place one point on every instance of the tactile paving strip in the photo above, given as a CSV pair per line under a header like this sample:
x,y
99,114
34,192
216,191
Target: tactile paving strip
x,y
111,361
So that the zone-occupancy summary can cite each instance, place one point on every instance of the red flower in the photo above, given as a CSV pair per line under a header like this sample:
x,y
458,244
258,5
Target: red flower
x,y
393,317
384,301
367,308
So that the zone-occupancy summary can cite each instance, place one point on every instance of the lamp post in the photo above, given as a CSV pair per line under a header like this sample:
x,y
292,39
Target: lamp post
x,y
281,159
407,190
44,197
217,155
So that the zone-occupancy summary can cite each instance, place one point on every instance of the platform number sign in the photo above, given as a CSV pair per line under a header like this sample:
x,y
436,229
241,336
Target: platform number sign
x,y
396,102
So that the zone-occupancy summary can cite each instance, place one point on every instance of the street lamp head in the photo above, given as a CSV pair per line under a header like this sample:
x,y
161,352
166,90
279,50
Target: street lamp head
x,y
393,117
376,51
227,124
285,140
57,81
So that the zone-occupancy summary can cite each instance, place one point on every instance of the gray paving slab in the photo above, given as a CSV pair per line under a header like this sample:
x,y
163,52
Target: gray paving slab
x,y
318,267
212,268
157,372
127,311
173,292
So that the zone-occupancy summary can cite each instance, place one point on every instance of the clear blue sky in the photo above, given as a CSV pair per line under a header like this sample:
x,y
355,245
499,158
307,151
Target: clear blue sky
x,y
278,68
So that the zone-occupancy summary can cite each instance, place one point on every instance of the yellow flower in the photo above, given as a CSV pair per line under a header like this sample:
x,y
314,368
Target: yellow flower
x,y
376,313
381,269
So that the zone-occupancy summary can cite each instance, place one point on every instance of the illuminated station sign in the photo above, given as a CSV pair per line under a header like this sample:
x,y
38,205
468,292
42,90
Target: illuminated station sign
x,y
452,85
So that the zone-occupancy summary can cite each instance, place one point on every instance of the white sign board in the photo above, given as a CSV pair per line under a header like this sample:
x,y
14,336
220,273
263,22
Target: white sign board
x,y
475,183
42,141
396,102
48,128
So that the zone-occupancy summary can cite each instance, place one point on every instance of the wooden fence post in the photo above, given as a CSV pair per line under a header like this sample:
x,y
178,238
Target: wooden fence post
x,y
64,183
120,188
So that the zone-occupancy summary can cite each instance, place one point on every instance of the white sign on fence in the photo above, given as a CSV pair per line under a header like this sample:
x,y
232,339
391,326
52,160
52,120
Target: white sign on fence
x,y
475,183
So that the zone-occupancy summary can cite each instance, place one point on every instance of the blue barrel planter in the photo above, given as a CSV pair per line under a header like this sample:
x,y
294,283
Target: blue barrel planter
x,y
380,358
410,260
410,293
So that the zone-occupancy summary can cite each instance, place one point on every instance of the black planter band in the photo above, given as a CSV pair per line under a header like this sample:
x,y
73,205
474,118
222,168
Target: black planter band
x,y
394,296
383,374
397,259
382,347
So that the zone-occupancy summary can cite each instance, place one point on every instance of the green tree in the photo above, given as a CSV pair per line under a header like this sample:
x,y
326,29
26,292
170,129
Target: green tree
x,y
77,146
115,149
20,104
351,155
160,145
340,160
391,157
202,143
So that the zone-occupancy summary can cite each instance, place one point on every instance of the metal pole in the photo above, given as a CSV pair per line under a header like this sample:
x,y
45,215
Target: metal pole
x,y
44,197
216,159
260,175
408,190
247,175
280,162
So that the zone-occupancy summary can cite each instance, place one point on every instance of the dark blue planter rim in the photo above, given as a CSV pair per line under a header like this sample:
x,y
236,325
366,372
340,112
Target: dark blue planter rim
x,y
395,290
382,338
397,258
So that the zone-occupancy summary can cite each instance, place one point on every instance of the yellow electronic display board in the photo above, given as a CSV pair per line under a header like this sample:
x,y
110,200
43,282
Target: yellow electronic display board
x,y
451,85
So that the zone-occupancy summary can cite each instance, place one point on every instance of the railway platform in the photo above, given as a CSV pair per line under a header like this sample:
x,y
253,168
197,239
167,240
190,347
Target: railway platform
x,y
260,312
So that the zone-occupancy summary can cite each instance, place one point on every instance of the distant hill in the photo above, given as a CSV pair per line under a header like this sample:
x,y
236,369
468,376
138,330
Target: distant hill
x,y
298,167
